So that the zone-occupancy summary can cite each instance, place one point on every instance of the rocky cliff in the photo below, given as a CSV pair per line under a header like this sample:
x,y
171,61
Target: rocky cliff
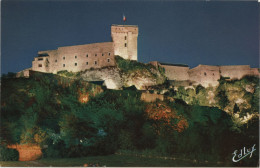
x,y
126,73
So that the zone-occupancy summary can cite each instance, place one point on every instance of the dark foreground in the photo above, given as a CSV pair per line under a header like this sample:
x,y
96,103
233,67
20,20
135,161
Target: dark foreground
x,y
110,161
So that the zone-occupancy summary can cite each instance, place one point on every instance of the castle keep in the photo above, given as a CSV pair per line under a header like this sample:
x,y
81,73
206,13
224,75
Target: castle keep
x,y
81,57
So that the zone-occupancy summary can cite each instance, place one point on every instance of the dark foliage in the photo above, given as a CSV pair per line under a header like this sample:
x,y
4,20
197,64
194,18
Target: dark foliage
x,y
8,154
199,88
48,107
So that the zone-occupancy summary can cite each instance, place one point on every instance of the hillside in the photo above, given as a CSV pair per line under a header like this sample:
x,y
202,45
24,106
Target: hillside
x,y
69,117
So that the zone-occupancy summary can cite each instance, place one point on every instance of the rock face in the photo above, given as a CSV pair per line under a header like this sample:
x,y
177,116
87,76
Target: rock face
x,y
114,78
111,77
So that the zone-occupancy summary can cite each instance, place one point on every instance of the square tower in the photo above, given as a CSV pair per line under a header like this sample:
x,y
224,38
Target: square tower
x,y
125,40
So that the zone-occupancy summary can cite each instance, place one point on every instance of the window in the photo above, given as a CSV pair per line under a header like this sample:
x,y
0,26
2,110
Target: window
x,y
87,55
40,65
64,58
76,64
95,54
125,44
108,53
86,63
63,65
56,60
213,74
76,57
102,54
95,62
125,37
40,59
205,73
108,60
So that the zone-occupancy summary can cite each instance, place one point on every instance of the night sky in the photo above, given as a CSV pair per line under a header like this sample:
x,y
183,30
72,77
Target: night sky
x,y
213,33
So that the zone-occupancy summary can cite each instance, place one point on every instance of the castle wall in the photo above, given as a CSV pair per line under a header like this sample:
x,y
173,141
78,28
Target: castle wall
x,y
205,75
255,72
75,58
125,41
236,71
24,73
176,72
41,64
82,57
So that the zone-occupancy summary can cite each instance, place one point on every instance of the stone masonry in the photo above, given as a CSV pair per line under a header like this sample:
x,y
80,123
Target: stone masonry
x,y
205,75
98,55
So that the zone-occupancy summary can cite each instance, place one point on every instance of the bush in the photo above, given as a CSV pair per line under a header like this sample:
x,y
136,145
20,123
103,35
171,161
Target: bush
x,y
7,154
131,66
68,74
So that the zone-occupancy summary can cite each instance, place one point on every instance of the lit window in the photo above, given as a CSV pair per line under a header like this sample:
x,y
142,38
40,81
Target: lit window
x,y
87,55
76,57
125,44
64,58
63,65
108,60
76,64
95,62
40,65
86,63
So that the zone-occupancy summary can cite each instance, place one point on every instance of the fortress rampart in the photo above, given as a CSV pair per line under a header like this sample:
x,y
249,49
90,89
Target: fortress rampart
x,y
206,75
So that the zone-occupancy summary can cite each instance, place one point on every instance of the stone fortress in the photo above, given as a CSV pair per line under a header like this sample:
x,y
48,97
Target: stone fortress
x,y
124,43
81,57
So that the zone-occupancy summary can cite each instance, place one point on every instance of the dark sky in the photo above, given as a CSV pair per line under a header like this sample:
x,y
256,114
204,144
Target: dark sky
x,y
213,33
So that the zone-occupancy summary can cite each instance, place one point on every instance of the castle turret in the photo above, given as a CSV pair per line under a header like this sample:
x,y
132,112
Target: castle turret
x,y
125,40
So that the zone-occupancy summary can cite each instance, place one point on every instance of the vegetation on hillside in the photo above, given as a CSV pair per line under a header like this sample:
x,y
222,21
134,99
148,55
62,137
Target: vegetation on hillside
x,y
75,119
240,97
131,67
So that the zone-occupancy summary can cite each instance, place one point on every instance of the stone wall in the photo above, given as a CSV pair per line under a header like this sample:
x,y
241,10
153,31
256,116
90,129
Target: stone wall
x,y
173,72
176,72
205,75
125,40
237,71
75,58
24,73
